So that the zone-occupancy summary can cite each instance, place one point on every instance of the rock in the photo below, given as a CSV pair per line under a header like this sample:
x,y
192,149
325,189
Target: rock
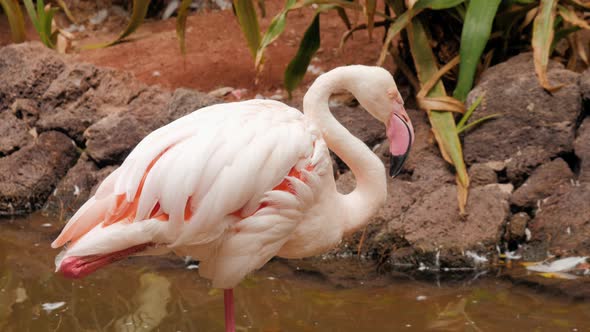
x,y
14,133
562,224
76,187
523,162
434,224
26,110
582,149
544,181
531,121
185,101
113,137
585,85
481,175
28,176
110,140
376,240
516,227
82,95
26,71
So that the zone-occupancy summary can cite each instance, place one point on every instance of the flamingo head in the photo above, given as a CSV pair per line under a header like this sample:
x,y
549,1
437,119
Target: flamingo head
x,y
378,94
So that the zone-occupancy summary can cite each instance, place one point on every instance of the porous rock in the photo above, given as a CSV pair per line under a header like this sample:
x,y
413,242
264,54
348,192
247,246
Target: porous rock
x,y
76,186
531,121
26,71
14,133
582,150
481,174
562,225
543,182
28,176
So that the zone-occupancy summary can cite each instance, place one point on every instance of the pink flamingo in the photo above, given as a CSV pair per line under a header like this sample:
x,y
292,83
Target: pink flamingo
x,y
235,184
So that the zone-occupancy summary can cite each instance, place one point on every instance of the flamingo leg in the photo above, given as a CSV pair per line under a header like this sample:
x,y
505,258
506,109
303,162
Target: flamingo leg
x,y
228,300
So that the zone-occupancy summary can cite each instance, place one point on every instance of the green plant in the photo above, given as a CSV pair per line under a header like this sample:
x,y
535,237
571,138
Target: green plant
x,y
41,17
15,20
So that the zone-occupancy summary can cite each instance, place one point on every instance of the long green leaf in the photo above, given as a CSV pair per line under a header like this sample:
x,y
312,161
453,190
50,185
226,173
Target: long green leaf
x,y
474,37
404,19
181,24
443,123
275,29
309,45
15,20
248,20
543,34
32,14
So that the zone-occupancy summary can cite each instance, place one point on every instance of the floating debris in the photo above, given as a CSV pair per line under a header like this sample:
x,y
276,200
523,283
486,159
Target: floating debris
x,y
560,265
421,297
478,259
50,306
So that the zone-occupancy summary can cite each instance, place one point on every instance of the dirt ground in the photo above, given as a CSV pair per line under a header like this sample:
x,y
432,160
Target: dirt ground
x,y
217,54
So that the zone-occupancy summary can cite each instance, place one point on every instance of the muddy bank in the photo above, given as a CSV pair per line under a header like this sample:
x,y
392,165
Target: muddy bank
x,y
66,125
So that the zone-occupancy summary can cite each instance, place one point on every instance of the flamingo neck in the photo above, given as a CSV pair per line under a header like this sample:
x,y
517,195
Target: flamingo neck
x,y
371,183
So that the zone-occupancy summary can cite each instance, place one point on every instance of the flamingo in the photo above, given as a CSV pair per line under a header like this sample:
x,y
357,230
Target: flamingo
x,y
233,185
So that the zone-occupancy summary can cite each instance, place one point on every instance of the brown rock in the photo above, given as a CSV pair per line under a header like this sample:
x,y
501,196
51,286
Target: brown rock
x,y
109,140
522,163
28,176
544,181
76,187
14,134
481,174
562,225
582,149
26,71
185,101
26,110
530,120
516,227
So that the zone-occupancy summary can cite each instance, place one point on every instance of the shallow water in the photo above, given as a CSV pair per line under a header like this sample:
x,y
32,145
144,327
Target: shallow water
x,y
161,294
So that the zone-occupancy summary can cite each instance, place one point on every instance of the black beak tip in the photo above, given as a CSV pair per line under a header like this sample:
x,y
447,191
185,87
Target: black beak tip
x,y
396,163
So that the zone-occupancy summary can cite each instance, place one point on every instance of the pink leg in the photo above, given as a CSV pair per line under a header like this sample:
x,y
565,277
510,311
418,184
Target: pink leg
x,y
228,300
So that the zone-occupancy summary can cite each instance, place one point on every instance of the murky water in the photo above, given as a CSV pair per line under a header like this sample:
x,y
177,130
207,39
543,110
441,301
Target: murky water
x,y
161,294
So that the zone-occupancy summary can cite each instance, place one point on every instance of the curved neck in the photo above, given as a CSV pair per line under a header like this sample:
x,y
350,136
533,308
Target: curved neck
x,y
371,183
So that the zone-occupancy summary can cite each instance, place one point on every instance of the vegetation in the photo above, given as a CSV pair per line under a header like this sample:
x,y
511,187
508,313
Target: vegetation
x,y
466,36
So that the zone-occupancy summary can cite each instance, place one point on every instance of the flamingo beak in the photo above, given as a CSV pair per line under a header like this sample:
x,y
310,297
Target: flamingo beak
x,y
401,136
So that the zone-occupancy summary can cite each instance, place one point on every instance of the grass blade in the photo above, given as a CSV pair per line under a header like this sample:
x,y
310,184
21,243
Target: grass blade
x,y
15,20
248,20
404,19
571,17
443,123
369,10
67,11
140,8
477,122
32,14
474,38
309,45
275,29
469,112
181,24
543,34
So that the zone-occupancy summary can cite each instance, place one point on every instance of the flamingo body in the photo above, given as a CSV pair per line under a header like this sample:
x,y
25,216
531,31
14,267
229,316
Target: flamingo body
x,y
233,185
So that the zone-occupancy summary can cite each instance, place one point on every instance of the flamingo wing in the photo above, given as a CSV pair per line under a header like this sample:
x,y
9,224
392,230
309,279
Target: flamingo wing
x,y
203,173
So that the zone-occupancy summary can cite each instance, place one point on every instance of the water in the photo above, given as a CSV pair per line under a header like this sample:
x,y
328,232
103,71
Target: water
x,y
161,294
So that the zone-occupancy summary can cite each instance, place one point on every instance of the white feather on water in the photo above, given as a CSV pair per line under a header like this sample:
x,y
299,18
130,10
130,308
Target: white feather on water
x,y
560,265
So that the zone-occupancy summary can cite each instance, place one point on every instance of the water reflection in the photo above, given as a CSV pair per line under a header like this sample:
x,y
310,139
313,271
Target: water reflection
x,y
146,294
